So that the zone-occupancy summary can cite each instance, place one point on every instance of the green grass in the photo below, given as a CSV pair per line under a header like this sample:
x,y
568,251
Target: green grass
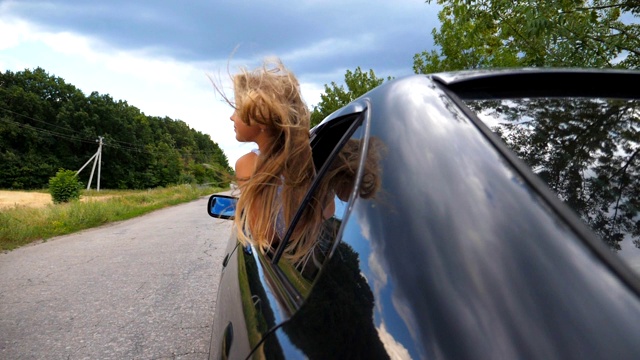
x,y
21,225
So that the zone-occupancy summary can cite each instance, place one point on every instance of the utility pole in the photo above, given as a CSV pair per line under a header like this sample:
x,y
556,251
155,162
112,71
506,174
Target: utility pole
x,y
97,157
99,161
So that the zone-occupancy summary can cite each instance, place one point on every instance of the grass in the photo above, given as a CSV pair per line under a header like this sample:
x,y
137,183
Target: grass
x,y
21,225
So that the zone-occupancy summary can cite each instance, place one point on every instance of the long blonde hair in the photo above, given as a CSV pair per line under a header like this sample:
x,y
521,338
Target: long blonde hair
x,y
270,96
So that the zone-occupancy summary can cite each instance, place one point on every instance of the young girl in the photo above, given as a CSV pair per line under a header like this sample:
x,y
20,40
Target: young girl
x,y
274,178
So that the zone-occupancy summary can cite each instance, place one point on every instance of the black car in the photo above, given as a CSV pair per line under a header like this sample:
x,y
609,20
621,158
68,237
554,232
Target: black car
x,y
489,214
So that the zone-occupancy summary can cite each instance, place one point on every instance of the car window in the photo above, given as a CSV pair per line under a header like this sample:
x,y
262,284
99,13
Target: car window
x,y
331,191
340,291
586,150
326,137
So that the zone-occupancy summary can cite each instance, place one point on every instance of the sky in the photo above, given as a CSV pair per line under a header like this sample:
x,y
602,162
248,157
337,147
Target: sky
x,y
159,55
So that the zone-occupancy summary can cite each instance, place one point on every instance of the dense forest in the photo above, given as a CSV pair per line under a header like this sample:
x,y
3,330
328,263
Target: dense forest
x,y
47,124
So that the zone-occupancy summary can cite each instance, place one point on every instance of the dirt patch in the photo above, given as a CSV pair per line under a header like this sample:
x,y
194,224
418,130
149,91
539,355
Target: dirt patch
x,y
35,199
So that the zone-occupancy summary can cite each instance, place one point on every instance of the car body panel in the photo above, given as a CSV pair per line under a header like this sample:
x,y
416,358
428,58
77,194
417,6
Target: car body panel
x,y
500,275
458,255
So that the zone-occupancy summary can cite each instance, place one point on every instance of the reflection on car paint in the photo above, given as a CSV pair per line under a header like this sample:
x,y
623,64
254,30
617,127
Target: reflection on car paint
x,y
456,255
256,304
479,279
340,297
586,152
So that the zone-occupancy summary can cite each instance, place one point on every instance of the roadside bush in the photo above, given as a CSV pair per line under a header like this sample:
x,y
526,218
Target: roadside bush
x,y
65,186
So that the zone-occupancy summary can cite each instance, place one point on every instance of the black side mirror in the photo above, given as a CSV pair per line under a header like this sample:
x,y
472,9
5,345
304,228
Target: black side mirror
x,y
222,206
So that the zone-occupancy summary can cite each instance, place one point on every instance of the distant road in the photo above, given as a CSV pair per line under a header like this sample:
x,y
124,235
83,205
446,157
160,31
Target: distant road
x,y
138,289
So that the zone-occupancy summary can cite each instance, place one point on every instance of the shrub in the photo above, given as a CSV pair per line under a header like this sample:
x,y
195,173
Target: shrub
x,y
65,186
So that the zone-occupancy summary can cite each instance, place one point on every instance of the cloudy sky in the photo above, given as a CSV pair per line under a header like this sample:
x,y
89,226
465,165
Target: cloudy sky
x,y
156,54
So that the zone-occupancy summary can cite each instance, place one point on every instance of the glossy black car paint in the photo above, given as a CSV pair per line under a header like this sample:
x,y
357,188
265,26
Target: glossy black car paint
x,y
461,254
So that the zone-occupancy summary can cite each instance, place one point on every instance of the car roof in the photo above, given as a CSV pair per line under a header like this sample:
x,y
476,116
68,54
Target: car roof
x,y
523,82
547,82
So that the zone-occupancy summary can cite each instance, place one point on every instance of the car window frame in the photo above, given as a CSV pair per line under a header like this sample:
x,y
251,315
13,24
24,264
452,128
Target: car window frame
x,y
288,297
358,120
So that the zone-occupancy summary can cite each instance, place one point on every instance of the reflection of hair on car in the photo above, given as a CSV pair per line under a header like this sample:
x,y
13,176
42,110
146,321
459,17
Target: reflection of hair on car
x,y
339,180
341,175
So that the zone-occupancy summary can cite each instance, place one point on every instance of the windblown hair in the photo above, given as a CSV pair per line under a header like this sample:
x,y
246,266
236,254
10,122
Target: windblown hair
x,y
341,176
270,96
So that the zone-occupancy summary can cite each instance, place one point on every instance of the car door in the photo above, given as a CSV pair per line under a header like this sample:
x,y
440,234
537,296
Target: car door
x,y
329,272
259,292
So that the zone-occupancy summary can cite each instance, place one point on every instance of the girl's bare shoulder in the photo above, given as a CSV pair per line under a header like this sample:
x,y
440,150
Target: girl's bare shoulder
x,y
246,164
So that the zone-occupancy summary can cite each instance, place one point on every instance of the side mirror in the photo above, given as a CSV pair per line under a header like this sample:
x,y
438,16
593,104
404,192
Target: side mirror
x,y
222,206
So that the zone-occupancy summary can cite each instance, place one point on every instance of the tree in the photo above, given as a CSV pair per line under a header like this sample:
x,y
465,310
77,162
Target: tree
x,y
508,33
64,187
47,124
335,97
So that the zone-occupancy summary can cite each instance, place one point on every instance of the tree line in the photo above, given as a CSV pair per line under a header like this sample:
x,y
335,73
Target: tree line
x,y
47,124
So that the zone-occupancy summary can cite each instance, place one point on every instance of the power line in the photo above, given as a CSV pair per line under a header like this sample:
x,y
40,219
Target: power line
x,y
38,120
122,144
130,146
59,127
47,132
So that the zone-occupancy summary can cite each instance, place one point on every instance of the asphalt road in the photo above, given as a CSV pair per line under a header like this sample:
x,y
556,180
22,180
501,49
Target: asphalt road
x,y
139,289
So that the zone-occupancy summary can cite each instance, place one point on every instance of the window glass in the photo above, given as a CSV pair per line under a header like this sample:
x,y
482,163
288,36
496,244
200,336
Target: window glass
x,y
586,150
334,186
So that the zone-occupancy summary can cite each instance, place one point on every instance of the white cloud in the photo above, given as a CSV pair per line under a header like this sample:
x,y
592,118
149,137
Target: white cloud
x,y
13,33
408,317
157,86
311,93
379,277
330,47
395,350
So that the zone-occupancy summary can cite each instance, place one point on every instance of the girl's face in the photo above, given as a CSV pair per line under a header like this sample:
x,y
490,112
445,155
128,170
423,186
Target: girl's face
x,y
244,132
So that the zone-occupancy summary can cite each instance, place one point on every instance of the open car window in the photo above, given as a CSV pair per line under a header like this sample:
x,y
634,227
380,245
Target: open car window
x,y
336,154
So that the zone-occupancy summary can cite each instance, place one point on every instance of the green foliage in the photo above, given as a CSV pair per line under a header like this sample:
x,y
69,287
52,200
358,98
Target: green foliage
x,y
47,124
565,33
335,97
64,187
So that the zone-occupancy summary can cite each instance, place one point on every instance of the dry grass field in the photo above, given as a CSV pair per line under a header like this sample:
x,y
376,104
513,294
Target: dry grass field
x,y
24,198
35,199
